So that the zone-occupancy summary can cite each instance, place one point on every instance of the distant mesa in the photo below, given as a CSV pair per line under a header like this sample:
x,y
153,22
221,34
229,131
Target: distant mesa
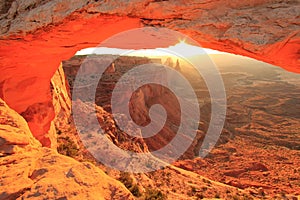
x,y
169,62
111,69
177,66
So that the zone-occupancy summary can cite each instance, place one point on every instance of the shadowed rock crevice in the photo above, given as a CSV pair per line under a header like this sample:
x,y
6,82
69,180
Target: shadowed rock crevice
x,y
15,195
5,6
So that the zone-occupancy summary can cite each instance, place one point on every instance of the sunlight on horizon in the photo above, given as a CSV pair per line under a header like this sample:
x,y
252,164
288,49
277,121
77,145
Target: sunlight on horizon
x,y
182,46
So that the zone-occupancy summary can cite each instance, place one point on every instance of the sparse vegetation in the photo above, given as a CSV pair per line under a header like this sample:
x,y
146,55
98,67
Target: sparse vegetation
x,y
206,181
128,182
200,196
217,195
154,194
135,190
235,197
282,194
58,132
204,188
194,190
67,147
174,184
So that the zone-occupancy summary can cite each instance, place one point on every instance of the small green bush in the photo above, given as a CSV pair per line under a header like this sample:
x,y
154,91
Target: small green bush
x,y
67,147
128,183
126,179
135,190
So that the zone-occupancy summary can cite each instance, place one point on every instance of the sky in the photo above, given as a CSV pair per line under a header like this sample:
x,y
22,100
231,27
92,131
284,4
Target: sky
x,y
185,50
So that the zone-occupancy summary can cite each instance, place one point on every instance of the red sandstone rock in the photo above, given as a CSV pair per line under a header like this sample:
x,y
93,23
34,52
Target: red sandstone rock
x,y
15,135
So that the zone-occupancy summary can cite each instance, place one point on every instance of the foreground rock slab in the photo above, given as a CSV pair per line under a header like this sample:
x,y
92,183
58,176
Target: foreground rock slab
x,y
31,171
44,174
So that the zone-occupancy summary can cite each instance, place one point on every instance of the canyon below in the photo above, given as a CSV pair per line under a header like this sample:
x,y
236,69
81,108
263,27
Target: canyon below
x,y
258,150
256,156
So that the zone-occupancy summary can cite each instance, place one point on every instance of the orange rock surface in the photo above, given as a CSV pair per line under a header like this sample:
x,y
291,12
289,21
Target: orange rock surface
x,y
28,170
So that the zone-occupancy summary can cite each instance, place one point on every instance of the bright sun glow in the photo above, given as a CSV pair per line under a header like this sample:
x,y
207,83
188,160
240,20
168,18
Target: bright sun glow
x,y
185,50
181,43
190,50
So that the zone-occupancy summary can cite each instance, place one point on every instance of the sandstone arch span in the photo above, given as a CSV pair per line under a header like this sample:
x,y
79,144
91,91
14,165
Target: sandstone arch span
x,y
36,35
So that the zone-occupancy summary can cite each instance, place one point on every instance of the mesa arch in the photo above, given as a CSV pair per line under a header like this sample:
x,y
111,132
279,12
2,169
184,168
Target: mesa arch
x,y
37,35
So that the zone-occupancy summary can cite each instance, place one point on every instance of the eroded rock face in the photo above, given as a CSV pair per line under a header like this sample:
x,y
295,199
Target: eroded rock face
x,y
61,103
38,35
29,170
139,102
39,117
15,135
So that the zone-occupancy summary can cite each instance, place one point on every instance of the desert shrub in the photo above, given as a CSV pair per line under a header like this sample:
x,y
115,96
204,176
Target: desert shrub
x,y
128,183
282,194
200,196
154,194
67,147
206,181
204,188
58,132
261,193
193,191
135,190
126,179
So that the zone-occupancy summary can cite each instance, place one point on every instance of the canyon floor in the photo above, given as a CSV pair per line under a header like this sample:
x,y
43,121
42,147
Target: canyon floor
x,y
257,156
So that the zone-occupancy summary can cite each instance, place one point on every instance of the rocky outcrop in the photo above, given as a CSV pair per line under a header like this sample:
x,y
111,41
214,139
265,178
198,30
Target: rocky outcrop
x,y
44,174
39,117
61,102
37,35
15,135
29,170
